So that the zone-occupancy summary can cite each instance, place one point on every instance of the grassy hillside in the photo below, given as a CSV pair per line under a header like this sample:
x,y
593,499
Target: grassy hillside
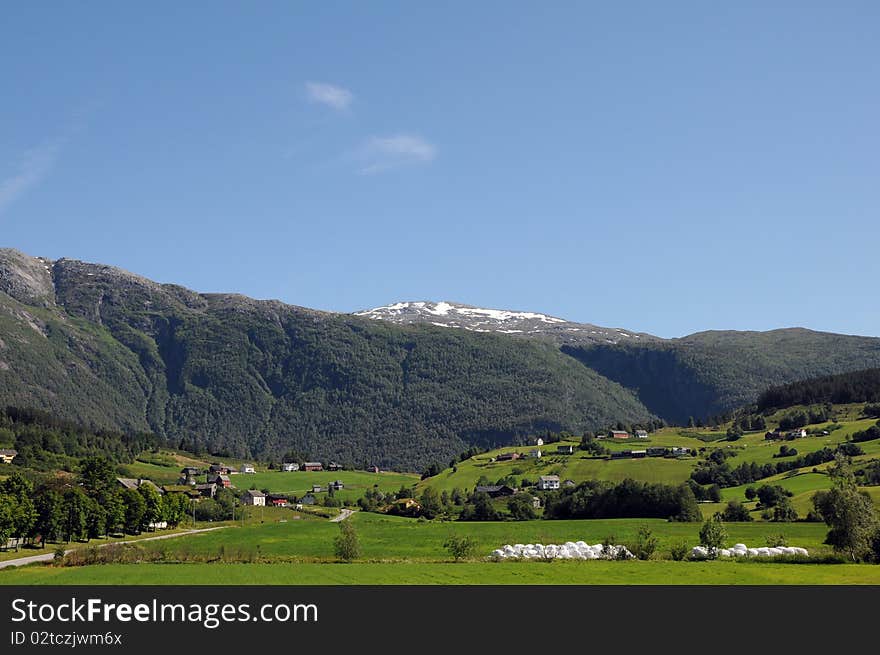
x,y
752,447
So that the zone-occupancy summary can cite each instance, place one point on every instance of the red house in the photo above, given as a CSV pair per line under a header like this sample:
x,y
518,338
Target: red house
x,y
620,434
312,466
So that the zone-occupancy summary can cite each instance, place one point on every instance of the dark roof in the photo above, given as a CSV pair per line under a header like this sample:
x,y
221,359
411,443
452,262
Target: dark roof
x,y
255,493
8,453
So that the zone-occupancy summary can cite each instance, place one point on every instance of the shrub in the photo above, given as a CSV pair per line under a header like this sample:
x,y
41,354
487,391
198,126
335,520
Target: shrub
x,y
776,540
460,547
679,551
646,543
346,544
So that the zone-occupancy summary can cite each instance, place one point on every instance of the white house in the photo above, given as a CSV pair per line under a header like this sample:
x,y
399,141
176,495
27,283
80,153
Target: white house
x,y
255,498
290,466
641,434
248,468
539,441
548,482
6,456
797,434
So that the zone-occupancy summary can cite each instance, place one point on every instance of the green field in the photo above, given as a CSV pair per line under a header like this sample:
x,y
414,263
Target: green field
x,y
299,483
384,538
470,573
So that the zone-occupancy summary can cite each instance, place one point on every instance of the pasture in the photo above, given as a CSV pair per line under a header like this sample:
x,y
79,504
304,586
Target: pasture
x,y
447,573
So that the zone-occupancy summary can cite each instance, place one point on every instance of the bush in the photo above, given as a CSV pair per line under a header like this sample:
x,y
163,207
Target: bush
x,y
58,555
735,511
346,544
679,551
646,543
776,540
460,547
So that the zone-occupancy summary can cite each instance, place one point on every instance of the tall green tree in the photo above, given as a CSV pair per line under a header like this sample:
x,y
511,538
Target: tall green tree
x,y
848,512
135,508
712,535
430,503
50,516
152,505
75,514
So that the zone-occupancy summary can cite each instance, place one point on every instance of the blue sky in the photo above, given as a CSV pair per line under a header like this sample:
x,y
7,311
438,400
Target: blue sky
x,y
665,167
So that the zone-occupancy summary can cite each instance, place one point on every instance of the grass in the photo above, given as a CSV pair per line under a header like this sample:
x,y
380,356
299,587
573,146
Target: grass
x,y
399,539
299,483
469,573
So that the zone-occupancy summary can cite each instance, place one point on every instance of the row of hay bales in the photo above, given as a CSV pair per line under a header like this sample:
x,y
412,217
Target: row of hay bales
x,y
568,550
741,550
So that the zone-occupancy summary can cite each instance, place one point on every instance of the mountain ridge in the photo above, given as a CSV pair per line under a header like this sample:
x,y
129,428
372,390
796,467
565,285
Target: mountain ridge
x,y
96,343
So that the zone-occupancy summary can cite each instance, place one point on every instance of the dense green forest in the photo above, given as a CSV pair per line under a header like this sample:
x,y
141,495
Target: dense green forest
x,y
47,443
251,378
711,373
852,387
113,351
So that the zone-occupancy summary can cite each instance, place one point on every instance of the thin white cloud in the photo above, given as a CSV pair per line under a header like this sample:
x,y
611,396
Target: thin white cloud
x,y
34,166
328,94
380,154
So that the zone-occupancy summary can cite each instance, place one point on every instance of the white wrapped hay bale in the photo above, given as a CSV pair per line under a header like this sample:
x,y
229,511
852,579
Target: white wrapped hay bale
x,y
699,552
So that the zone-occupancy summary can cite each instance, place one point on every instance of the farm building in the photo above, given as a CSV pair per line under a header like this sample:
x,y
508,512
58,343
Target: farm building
x,y
208,490
290,466
495,490
254,497
188,475
218,468
221,481
316,489
248,468
312,466
547,482
565,450
536,453
619,434
188,490
507,457
337,485
333,466
277,501
135,483
641,434
6,455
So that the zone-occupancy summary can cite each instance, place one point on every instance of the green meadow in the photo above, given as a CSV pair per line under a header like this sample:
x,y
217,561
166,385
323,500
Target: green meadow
x,y
449,573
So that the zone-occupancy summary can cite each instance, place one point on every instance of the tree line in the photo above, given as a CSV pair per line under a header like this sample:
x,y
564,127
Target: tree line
x,y
88,506
856,387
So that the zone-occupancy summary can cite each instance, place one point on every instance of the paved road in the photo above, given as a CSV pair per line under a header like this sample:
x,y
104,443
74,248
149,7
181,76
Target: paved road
x,y
48,557
343,514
